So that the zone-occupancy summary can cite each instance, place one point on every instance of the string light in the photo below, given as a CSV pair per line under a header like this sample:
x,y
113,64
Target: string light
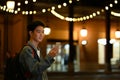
x,y
52,10
74,19
59,6
34,0
106,8
115,14
43,10
10,5
111,5
26,1
115,1
70,1
18,4
18,9
64,4
53,7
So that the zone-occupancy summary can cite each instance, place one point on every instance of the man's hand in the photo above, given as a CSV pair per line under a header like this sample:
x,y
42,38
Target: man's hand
x,y
54,51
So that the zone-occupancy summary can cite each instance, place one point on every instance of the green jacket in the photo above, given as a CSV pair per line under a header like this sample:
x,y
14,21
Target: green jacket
x,y
32,63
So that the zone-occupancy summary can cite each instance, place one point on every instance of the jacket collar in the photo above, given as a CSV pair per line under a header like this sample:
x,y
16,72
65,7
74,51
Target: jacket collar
x,y
30,43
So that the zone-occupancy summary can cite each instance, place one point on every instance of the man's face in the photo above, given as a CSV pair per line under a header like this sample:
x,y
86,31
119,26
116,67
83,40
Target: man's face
x,y
38,34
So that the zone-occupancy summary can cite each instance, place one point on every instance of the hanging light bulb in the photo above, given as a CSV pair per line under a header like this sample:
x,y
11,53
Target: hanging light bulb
x,y
84,42
47,30
10,5
34,0
83,32
117,33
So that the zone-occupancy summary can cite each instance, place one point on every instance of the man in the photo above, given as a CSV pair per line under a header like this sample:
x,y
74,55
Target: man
x,y
30,56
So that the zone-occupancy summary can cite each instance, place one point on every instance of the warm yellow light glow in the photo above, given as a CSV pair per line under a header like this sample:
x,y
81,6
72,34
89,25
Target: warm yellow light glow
x,y
116,1
83,32
91,16
34,12
59,6
47,30
10,5
103,41
111,5
43,10
53,7
18,3
98,12
106,8
84,42
26,1
70,1
34,0
64,4
16,12
18,9
94,14
115,14
23,12
117,34
30,12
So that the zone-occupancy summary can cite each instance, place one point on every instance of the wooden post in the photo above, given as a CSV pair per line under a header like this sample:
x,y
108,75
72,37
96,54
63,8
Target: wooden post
x,y
71,54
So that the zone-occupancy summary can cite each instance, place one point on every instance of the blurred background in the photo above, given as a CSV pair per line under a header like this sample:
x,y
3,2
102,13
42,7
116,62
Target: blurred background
x,y
87,32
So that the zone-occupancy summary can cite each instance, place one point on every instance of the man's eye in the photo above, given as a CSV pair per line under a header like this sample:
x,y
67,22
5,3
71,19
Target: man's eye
x,y
38,31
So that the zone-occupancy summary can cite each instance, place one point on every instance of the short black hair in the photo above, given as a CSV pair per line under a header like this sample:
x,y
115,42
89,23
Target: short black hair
x,y
33,25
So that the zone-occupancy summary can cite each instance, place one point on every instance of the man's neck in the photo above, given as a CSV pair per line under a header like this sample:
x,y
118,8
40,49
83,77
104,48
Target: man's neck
x,y
34,43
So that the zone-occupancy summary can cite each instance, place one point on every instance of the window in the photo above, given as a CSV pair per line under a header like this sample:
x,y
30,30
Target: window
x,y
61,61
116,51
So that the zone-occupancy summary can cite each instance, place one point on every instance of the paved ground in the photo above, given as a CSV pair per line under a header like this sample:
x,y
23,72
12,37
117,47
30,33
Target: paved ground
x,y
85,76
80,76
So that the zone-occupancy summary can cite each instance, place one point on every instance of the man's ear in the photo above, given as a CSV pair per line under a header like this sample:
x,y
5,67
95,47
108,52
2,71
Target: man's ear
x,y
30,33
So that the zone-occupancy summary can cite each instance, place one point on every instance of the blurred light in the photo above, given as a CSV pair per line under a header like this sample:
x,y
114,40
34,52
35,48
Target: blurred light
x,y
43,10
115,14
117,34
10,5
18,3
59,6
48,9
106,8
94,14
34,0
16,12
30,12
18,9
115,1
83,32
34,12
23,12
64,4
102,10
26,12
26,1
103,41
84,42
53,7
47,30
98,12
112,41
70,1
111,5
91,16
